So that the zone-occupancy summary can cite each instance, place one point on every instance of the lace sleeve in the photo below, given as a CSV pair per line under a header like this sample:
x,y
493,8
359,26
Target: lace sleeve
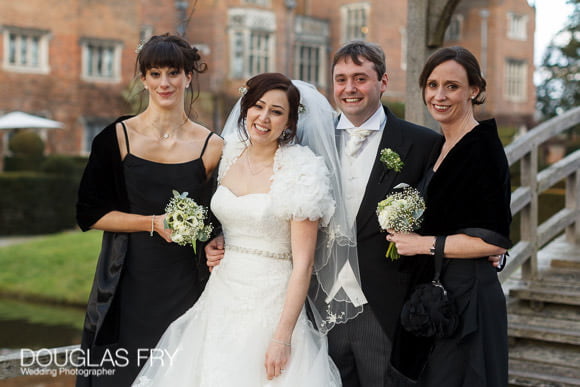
x,y
300,186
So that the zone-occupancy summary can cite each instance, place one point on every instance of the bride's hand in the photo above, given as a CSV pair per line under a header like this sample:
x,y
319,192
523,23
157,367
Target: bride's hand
x,y
277,357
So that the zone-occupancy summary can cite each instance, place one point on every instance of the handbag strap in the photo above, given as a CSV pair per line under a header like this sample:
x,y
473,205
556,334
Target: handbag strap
x,y
439,252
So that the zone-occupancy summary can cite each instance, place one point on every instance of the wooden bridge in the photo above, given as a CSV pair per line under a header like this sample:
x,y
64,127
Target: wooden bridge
x,y
543,274
542,278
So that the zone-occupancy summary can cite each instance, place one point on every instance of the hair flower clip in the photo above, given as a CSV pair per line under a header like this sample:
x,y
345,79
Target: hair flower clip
x,y
139,47
243,90
301,109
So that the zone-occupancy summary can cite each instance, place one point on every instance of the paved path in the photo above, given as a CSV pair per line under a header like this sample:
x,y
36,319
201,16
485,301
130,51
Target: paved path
x,y
13,240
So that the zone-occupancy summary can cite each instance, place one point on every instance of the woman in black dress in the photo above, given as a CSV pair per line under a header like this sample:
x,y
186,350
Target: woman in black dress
x,y
143,281
467,219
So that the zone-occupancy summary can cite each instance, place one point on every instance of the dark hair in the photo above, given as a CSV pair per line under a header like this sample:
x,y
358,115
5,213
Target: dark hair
x,y
466,59
256,87
357,49
170,51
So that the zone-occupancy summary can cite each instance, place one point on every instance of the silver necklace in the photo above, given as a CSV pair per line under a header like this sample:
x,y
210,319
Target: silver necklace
x,y
168,134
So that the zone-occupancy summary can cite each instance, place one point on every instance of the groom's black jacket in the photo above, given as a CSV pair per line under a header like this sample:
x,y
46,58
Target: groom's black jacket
x,y
385,282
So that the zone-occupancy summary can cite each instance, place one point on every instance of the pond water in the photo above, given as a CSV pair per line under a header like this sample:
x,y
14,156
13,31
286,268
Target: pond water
x,y
27,325
35,326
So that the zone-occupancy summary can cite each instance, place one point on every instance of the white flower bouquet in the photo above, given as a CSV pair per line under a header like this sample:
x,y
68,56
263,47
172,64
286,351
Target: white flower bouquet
x,y
186,219
401,211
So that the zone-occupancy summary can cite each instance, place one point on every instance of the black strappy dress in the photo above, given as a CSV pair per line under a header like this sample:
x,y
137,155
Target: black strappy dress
x,y
160,280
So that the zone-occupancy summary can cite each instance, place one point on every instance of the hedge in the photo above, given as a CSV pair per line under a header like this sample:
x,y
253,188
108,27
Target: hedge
x,y
34,203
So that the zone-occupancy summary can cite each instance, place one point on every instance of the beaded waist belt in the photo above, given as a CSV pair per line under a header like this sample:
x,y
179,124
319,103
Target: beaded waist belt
x,y
262,253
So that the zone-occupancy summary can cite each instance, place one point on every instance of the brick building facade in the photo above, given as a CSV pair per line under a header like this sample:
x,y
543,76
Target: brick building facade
x,y
75,62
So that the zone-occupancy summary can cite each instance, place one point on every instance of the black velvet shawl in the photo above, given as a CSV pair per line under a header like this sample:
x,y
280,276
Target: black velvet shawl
x,y
102,188
470,192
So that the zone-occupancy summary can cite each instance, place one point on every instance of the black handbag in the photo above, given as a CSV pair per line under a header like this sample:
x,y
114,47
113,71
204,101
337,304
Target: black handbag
x,y
429,312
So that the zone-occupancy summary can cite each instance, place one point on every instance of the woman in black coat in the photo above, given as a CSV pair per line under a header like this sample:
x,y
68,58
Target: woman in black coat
x,y
467,219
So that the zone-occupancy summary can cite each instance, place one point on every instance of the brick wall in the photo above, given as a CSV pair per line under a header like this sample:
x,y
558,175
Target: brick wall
x,y
63,95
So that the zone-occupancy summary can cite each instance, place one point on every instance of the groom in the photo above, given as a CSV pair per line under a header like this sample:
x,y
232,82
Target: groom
x,y
361,348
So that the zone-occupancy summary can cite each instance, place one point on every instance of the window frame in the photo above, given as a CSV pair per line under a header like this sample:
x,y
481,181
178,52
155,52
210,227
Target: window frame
x,y
40,60
252,41
517,26
350,24
112,54
314,66
516,76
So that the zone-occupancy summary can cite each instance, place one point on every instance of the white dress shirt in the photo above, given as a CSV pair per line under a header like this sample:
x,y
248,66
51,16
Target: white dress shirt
x,y
356,169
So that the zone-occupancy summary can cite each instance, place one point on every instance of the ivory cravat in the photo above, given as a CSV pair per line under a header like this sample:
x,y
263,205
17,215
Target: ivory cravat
x,y
355,139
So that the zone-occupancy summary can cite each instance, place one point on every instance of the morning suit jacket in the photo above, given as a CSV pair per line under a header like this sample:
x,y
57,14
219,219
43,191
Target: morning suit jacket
x,y
385,283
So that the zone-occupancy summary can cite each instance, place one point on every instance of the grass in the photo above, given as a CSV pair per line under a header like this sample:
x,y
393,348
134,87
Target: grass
x,y
57,268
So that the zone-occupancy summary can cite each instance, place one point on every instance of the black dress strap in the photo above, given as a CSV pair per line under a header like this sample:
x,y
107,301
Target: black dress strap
x,y
205,144
126,136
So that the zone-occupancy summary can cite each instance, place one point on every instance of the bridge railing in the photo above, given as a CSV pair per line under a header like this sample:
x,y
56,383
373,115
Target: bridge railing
x,y
534,236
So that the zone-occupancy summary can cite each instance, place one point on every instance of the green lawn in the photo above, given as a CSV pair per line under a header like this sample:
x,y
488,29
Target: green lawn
x,y
58,268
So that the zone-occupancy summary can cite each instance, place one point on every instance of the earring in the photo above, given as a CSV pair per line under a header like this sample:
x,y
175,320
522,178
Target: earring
x,y
473,97
284,135
146,87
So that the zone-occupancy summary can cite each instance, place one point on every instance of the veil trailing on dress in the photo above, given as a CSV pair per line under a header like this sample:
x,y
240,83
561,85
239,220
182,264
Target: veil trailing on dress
x,y
335,294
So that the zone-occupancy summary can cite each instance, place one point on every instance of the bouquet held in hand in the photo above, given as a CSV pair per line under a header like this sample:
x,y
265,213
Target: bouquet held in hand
x,y
401,211
186,219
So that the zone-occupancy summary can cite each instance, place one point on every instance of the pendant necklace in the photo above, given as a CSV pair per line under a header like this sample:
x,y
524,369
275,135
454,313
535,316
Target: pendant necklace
x,y
168,134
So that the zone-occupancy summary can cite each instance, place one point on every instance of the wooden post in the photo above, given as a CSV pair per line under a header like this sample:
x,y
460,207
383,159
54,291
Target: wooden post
x,y
573,202
529,214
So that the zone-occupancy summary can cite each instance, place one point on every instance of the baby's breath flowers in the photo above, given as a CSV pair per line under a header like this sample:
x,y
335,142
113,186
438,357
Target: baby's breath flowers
x,y
186,219
391,159
401,211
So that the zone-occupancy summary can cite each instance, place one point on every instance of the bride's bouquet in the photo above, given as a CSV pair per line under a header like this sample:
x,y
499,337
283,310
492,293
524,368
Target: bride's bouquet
x,y
186,219
400,211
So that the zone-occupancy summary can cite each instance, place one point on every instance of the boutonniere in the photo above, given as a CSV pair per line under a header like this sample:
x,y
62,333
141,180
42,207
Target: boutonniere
x,y
391,159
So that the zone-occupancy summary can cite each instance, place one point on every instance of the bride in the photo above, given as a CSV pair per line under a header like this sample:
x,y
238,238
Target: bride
x,y
275,200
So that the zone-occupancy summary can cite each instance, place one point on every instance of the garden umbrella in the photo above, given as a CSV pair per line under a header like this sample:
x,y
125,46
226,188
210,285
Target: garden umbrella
x,y
20,120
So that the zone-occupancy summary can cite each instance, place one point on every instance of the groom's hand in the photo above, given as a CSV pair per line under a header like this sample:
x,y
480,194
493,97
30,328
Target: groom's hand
x,y
214,251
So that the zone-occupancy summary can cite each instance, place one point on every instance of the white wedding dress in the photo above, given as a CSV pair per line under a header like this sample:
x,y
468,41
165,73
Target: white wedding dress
x,y
222,340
